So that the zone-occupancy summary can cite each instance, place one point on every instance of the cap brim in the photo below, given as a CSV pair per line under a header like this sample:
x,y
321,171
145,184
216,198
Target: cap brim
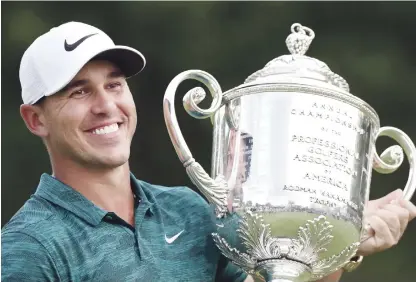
x,y
129,60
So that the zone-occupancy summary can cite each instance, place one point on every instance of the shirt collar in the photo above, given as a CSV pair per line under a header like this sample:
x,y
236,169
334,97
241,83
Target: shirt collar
x,y
143,195
68,198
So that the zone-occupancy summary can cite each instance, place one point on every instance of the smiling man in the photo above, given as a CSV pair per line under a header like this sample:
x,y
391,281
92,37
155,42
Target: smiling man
x,y
91,219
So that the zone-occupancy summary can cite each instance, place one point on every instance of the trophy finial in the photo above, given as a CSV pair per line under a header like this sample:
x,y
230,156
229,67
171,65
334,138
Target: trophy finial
x,y
296,65
299,40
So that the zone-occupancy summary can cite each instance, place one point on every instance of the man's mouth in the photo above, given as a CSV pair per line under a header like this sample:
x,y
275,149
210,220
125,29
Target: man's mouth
x,y
106,129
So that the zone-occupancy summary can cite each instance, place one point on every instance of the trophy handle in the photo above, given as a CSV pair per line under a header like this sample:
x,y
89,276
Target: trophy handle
x,y
214,190
391,159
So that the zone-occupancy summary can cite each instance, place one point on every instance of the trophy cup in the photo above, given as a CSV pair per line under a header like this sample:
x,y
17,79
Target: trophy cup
x,y
293,152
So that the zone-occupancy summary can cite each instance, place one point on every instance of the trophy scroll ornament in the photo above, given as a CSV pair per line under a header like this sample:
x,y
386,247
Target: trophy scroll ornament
x,y
292,156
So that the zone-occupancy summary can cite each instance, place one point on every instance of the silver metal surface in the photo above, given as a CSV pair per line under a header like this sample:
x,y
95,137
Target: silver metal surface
x,y
269,252
292,157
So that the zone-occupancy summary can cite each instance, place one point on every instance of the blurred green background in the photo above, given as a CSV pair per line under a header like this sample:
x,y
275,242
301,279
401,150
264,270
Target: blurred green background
x,y
370,44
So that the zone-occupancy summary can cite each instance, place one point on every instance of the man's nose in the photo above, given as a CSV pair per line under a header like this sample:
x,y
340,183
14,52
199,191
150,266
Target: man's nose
x,y
104,102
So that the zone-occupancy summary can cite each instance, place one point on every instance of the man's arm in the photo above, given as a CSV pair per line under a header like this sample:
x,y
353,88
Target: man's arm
x,y
227,272
334,277
23,259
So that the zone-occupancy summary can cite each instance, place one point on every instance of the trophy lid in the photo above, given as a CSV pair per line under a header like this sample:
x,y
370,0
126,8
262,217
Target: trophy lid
x,y
297,66
299,73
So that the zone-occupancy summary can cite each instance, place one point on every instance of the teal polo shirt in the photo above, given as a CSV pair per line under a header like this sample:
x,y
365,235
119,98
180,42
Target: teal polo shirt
x,y
59,235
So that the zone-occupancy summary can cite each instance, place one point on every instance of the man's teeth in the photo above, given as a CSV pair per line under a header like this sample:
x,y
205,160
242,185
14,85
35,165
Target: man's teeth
x,y
106,129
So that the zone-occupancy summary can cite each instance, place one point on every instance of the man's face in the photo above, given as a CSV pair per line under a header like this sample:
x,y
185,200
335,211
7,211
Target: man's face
x,y
93,120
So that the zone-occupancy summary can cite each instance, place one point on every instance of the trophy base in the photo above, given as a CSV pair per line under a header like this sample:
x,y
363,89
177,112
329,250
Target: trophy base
x,y
284,270
300,259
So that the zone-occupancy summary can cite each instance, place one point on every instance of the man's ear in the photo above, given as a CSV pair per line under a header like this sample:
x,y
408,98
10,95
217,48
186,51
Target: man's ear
x,y
34,119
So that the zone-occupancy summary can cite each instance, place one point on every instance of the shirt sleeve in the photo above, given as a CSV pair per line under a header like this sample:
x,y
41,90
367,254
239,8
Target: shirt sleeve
x,y
23,258
229,272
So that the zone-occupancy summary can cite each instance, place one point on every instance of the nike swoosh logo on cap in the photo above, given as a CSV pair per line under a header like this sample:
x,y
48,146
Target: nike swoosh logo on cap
x,y
73,46
173,238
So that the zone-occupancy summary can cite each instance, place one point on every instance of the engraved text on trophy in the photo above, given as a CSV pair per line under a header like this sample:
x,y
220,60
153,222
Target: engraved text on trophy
x,y
323,154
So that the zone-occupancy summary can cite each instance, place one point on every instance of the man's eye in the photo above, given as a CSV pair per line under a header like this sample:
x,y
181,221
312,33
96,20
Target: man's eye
x,y
78,92
114,85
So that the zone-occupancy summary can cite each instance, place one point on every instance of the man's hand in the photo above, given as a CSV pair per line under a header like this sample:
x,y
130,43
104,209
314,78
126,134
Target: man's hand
x,y
385,220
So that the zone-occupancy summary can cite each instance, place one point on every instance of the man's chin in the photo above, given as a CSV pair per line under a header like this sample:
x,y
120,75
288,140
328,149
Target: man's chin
x,y
107,164
110,161
116,161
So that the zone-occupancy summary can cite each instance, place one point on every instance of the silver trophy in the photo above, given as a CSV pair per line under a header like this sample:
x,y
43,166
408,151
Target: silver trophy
x,y
293,152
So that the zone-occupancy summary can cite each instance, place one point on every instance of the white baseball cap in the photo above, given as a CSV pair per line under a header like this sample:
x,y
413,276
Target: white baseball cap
x,y
55,58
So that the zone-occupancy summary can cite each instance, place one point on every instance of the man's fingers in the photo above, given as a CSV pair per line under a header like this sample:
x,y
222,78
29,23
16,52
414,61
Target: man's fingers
x,y
373,244
395,195
386,219
401,214
383,238
392,221
410,207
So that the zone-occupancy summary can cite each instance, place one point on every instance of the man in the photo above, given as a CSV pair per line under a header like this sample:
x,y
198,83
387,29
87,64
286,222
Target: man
x,y
92,220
